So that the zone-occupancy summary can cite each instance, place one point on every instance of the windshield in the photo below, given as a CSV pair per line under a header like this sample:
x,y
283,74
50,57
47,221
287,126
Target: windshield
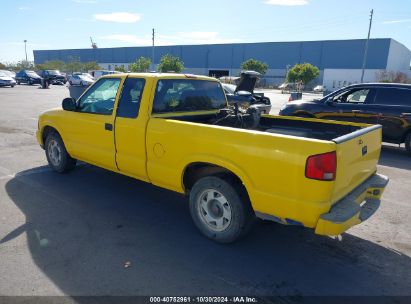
x,y
32,74
85,77
3,74
54,72
229,88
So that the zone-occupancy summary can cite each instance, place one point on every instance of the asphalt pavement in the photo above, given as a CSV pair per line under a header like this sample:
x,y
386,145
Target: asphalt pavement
x,y
94,232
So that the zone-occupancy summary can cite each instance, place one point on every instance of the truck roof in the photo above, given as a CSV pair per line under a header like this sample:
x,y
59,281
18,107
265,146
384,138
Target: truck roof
x,y
166,76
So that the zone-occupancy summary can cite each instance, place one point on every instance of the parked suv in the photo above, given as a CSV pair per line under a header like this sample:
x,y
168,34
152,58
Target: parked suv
x,y
53,76
29,77
386,104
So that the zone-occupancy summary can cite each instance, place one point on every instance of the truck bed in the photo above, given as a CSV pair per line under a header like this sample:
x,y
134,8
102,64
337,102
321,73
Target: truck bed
x,y
314,129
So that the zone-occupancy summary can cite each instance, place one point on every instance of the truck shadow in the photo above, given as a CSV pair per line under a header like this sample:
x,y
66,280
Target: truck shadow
x,y
393,156
93,232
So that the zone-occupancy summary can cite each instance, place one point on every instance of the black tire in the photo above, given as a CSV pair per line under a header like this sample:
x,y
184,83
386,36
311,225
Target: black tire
x,y
241,213
408,143
81,83
58,158
29,82
70,83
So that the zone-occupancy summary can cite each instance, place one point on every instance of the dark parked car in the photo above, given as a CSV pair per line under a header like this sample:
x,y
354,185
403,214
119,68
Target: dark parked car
x,y
29,77
243,92
53,76
386,104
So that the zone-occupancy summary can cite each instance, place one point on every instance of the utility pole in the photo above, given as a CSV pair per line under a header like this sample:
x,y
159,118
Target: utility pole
x,y
25,48
366,47
152,53
286,72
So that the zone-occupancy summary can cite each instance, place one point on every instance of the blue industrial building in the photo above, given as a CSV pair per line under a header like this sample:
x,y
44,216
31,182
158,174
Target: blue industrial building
x,y
226,59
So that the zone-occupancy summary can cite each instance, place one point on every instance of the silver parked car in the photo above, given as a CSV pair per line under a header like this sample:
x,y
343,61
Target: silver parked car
x,y
6,80
9,73
81,79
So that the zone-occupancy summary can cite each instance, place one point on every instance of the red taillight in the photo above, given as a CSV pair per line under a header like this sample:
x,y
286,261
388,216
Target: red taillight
x,y
321,167
290,99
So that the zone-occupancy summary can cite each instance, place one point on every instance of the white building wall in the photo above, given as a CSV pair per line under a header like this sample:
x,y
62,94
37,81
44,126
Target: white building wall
x,y
335,79
399,57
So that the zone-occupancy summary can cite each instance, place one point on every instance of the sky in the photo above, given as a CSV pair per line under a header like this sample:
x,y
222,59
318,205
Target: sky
x,y
67,24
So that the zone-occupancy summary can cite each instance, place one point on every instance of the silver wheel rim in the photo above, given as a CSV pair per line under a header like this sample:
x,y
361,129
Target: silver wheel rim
x,y
54,152
214,210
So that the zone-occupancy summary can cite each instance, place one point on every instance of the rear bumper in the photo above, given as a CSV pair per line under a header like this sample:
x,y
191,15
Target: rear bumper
x,y
353,209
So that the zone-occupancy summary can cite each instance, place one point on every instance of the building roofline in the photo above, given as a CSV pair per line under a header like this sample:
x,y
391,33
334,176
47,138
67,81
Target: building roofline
x,y
220,44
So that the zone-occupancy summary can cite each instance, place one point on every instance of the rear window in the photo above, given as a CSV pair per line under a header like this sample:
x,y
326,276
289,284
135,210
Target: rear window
x,y
186,95
393,96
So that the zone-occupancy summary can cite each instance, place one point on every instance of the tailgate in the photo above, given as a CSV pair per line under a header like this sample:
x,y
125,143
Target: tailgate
x,y
357,157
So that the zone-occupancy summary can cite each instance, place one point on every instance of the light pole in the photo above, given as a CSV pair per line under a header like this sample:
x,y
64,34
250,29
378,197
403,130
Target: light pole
x,y
152,52
25,48
366,48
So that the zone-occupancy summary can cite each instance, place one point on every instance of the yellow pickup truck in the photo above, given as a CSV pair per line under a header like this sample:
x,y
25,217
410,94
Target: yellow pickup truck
x,y
177,131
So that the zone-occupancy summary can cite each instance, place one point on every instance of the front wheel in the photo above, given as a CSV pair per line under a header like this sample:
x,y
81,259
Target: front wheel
x,y
220,209
58,158
408,143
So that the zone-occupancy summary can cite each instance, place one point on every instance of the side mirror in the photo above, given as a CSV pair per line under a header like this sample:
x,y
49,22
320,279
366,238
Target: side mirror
x,y
329,102
69,104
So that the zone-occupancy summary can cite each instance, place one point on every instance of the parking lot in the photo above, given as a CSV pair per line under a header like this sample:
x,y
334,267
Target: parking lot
x,y
94,232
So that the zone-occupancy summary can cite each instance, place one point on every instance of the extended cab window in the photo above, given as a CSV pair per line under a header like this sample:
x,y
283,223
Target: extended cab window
x,y
352,96
100,98
129,103
186,95
393,96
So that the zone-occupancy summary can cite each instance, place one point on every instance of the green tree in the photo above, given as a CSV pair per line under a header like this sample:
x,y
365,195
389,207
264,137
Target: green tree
x,y
141,65
303,73
51,65
120,68
2,66
170,63
255,65
22,65
90,66
73,65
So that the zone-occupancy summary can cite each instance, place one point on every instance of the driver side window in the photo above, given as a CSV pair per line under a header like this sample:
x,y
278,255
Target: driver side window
x,y
352,96
100,98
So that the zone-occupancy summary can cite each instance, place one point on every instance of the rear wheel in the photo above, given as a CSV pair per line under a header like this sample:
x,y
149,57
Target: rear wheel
x,y
58,158
220,209
408,143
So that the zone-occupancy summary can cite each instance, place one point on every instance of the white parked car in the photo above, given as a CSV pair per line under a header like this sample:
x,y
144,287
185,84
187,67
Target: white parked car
x,y
319,89
81,79
6,80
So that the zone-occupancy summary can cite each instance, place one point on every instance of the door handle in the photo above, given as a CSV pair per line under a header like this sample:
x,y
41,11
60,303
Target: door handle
x,y
108,126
